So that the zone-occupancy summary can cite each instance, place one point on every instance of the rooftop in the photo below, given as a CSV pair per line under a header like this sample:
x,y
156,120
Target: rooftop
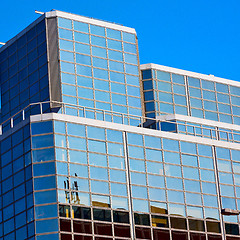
x,y
209,77
76,17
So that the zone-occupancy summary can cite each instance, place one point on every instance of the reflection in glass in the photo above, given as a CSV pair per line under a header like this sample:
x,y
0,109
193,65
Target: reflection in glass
x,y
196,212
176,209
80,198
100,201
120,203
140,205
64,211
158,207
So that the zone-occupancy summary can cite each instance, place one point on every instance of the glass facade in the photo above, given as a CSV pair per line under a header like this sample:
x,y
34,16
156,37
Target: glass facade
x,y
17,204
170,93
90,172
24,72
113,183
99,67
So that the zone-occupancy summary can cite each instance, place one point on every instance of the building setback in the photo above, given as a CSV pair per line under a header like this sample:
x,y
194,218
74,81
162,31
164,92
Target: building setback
x,y
96,147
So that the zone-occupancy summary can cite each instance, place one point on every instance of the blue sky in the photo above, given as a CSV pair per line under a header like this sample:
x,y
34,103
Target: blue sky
x,y
200,36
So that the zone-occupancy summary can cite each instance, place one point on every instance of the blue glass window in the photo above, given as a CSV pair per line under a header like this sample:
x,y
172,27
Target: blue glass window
x,y
66,56
66,45
99,73
66,34
129,58
44,169
97,30
83,70
41,127
82,48
114,55
44,183
81,37
99,187
47,226
42,141
83,59
98,41
67,67
80,26
114,45
46,211
99,62
96,133
77,143
99,52
111,33
65,23
130,48
129,37
84,81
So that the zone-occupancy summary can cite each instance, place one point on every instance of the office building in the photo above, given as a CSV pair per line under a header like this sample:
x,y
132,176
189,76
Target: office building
x,y
96,147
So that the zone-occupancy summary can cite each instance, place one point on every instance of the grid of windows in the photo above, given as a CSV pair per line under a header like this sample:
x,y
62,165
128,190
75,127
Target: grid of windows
x,y
23,70
174,182
44,173
17,214
106,176
172,93
229,179
165,94
95,176
99,67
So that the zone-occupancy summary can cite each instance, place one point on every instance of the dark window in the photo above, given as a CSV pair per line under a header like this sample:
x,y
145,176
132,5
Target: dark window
x,y
103,229
232,229
196,225
142,219
179,236
81,212
144,233
146,74
65,225
161,234
82,227
197,236
120,217
79,237
179,223
213,227
102,215
214,237
66,237
103,238
122,231
232,238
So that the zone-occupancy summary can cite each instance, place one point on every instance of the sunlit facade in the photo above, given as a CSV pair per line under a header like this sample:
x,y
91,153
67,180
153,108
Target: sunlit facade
x,y
96,147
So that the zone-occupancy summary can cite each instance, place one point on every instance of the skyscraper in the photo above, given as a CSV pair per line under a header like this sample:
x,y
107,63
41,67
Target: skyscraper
x,y
92,149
